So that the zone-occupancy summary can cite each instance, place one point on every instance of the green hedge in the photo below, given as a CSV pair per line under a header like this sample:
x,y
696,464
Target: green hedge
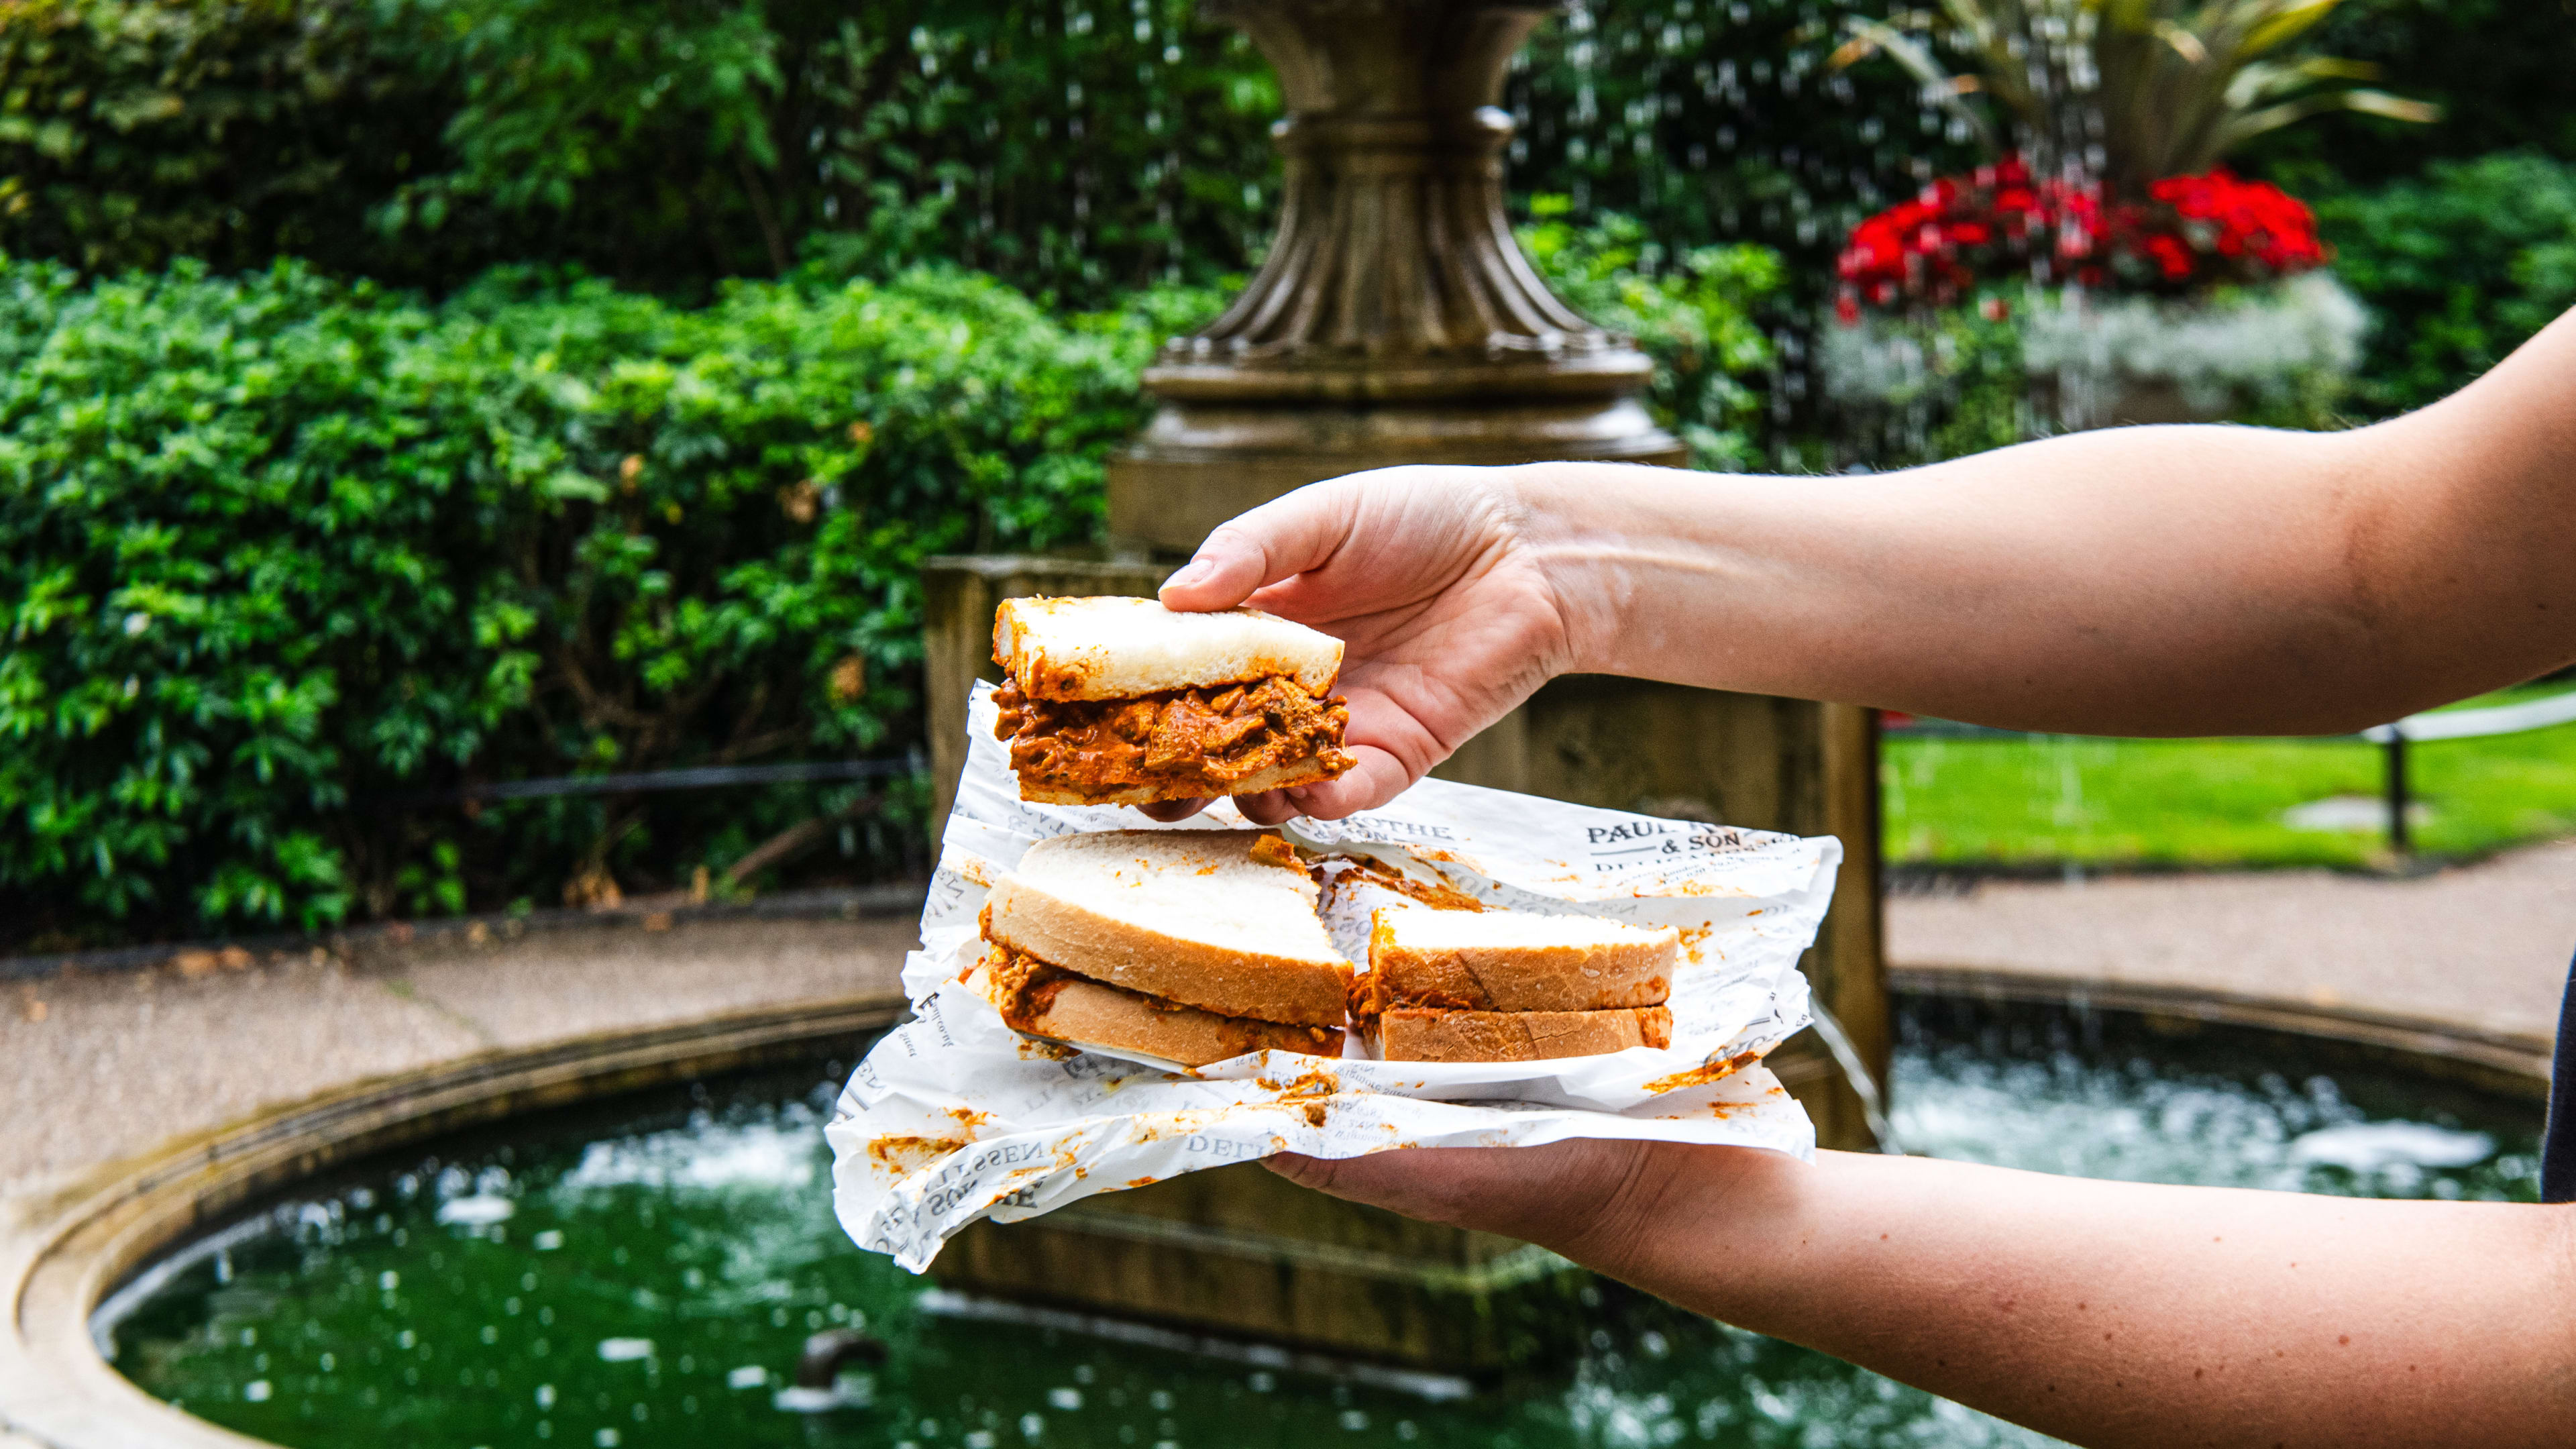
x,y
662,142
1078,149
2461,267
132,131
283,559
279,555
1699,312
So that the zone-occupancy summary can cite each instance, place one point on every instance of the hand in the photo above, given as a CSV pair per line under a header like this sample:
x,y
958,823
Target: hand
x,y
1428,577
1567,1196
1616,1205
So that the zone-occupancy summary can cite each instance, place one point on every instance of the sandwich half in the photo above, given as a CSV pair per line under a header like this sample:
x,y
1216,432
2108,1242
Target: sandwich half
x,y
1119,701
1512,986
1190,946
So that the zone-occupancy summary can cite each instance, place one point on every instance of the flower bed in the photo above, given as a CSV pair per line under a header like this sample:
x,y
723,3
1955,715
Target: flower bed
x,y
1998,224
1996,306
2007,364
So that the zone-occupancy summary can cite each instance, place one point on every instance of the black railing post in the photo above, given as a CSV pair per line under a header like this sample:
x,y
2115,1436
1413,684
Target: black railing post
x,y
2398,841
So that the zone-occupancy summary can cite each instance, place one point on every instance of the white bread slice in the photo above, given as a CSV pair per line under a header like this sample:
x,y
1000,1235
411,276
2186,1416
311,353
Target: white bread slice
x,y
1087,1014
1188,915
1515,961
1410,1034
1118,648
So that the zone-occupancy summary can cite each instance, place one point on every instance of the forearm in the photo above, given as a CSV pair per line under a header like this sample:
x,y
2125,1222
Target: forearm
x,y
2120,1314
2164,580
2040,589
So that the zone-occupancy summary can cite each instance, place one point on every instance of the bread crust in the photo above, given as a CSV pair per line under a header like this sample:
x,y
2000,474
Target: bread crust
x,y
1087,1013
1597,976
1229,980
1416,1034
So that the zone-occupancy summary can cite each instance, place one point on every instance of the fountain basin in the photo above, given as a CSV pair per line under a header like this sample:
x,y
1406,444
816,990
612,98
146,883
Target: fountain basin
x,y
63,1252
673,1250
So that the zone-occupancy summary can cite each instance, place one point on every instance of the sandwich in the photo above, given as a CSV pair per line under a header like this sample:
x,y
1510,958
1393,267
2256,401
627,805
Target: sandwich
x,y
1511,986
1186,946
1118,701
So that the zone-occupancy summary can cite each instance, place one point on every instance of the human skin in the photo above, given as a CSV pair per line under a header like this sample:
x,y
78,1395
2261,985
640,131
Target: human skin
x,y
2187,580
2137,581
2107,1314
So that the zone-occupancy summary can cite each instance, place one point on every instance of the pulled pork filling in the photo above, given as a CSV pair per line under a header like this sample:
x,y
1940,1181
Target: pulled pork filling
x,y
1189,741
1025,989
1026,986
1370,997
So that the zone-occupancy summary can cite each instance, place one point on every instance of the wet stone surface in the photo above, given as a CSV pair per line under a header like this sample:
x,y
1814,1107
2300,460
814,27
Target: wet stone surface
x,y
648,1272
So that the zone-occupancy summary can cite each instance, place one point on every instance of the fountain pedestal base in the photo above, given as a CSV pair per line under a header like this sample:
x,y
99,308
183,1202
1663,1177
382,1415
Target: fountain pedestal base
x,y
1242,1253
1198,464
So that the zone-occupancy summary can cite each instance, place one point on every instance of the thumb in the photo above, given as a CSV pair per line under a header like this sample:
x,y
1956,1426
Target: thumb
x,y
1280,539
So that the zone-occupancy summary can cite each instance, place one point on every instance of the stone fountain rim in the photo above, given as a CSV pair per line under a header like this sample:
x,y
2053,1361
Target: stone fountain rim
x,y
65,1252
2500,1063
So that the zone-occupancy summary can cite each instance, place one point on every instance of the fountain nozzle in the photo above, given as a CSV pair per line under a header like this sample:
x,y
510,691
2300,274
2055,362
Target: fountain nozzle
x,y
832,1350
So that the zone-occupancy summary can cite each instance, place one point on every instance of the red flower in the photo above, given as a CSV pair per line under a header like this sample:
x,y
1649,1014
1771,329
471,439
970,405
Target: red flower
x,y
1998,224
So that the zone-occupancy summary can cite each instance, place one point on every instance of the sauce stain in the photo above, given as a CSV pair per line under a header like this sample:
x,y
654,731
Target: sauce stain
x,y
1703,1074
904,1154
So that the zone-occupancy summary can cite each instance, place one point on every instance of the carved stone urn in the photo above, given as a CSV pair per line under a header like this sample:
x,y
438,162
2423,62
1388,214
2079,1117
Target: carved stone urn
x,y
1395,319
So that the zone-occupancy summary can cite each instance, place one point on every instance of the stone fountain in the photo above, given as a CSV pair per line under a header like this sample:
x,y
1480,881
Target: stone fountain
x,y
1396,321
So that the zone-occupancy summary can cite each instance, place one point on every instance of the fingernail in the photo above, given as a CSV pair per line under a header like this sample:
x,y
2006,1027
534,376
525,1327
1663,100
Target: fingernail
x,y
1195,571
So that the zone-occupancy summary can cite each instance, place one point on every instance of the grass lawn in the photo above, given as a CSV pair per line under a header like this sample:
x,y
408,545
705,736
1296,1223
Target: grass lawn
x,y
2045,799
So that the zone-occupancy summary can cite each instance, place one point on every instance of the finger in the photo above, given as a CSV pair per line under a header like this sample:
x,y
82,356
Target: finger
x,y
1270,807
1171,812
1419,1183
1281,538
1376,779
1539,1194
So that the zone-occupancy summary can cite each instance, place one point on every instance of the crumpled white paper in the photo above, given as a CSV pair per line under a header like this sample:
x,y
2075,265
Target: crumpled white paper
x,y
954,1117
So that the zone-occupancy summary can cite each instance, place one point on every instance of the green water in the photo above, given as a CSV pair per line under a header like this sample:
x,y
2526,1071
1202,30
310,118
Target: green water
x,y
645,1274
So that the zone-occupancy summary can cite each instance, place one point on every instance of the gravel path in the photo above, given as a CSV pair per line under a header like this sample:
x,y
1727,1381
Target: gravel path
x,y
2484,946
97,1067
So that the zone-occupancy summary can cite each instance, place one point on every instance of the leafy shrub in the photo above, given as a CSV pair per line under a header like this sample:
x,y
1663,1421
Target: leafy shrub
x,y
1716,122
279,556
1926,384
2461,267
662,142
1079,148
232,130
1080,152
1076,149
2497,69
2137,92
224,543
1698,312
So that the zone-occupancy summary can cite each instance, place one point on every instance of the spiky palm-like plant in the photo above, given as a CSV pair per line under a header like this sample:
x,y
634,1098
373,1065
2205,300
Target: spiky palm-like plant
x,y
2130,91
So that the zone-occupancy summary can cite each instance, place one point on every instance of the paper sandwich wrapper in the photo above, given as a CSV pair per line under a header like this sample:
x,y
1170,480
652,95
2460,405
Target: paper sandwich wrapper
x,y
954,1117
